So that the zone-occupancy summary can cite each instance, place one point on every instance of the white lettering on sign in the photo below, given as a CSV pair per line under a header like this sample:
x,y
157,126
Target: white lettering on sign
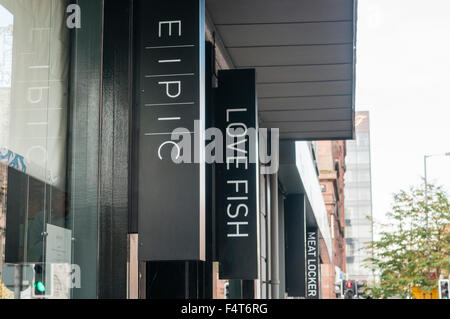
x,y
237,233
234,110
312,265
171,83
175,147
169,61
237,157
168,84
237,160
161,23
237,185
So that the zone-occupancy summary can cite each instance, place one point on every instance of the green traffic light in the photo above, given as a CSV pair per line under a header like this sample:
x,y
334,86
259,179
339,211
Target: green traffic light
x,y
40,286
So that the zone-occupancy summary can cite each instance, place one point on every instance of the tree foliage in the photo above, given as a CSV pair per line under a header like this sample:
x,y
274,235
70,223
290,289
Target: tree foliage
x,y
408,253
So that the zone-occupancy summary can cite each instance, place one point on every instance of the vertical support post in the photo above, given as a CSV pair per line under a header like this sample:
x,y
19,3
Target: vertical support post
x,y
426,192
132,267
268,237
210,220
426,204
274,258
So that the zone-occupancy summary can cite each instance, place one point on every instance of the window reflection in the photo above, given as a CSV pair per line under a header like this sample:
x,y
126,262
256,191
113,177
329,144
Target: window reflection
x,y
6,36
34,214
49,178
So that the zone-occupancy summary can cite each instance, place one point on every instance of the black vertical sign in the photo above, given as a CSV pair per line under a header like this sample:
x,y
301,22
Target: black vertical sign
x,y
295,232
170,95
237,176
312,264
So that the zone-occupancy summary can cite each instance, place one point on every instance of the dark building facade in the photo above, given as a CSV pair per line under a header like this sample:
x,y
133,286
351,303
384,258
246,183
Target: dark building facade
x,y
98,201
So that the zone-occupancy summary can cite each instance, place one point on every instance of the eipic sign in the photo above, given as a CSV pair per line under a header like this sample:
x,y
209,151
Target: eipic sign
x,y
237,176
170,95
312,264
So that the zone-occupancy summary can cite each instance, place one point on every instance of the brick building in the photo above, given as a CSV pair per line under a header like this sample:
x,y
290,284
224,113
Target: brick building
x,y
331,168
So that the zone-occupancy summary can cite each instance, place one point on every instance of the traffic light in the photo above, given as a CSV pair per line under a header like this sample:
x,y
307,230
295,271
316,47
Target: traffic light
x,y
443,288
38,281
349,289
338,288
360,288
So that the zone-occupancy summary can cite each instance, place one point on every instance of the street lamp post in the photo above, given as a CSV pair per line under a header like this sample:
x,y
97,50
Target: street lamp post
x,y
426,186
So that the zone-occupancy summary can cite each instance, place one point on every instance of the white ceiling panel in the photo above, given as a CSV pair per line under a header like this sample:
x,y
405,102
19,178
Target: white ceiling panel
x,y
297,33
304,73
291,55
302,103
278,11
304,55
306,115
299,89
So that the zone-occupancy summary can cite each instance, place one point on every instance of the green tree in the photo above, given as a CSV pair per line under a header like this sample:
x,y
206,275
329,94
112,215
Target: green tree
x,y
409,253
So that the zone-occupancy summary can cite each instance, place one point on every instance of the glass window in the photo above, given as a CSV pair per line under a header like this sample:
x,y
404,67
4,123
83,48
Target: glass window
x,y
43,250
351,158
363,157
363,175
352,194
362,139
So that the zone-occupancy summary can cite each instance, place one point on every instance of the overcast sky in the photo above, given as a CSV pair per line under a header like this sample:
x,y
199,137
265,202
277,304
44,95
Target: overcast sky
x,y
403,79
